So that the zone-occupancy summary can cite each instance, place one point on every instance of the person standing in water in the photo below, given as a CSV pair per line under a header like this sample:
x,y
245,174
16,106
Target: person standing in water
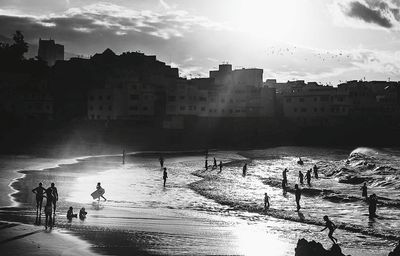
x,y
165,175
284,176
298,196
373,201
244,170
82,213
39,191
98,187
206,164
308,177
364,190
161,159
315,169
54,196
220,166
123,156
70,214
301,178
329,225
266,202
215,163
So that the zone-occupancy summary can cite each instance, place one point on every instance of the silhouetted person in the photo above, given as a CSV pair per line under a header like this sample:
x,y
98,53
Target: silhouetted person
x,y
123,156
331,226
315,169
373,200
266,201
54,196
98,187
206,154
284,176
298,196
300,162
215,163
364,190
39,191
244,170
220,166
70,213
308,177
48,208
301,178
206,164
165,175
82,213
161,159
284,185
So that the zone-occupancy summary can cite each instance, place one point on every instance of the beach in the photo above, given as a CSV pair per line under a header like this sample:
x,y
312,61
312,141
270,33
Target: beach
x,y
199,212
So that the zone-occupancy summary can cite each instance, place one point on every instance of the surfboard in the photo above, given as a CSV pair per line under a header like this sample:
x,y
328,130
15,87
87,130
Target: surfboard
x,y
96,194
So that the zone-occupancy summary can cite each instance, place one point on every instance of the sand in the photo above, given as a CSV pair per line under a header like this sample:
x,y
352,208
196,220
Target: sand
x,y
22,239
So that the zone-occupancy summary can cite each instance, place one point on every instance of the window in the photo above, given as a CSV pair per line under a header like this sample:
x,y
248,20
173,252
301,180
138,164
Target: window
x,y
91,98
182,97
100,97
109,108
324,98
108,97
295,109
133,108
315,99
301,99
90,107
92,117
288,100
134,97
315,110
101,108
145,108
303,110
203,99
203,109
171,98
182,108
322,109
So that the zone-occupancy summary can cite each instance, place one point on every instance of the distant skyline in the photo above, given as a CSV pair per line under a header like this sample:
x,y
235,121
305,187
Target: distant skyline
x,y
312,40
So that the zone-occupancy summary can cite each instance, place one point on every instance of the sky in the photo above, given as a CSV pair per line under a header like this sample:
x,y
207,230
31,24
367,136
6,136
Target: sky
x,y
328,41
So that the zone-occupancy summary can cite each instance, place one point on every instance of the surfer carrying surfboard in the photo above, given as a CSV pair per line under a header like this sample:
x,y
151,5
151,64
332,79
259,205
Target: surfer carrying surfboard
x,y
99,192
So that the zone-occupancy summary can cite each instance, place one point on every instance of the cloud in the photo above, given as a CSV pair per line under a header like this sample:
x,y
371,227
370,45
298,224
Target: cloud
x,y
384,14
118,19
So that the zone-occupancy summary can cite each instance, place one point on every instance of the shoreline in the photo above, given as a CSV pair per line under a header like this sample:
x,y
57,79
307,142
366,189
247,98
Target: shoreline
x,y
91,235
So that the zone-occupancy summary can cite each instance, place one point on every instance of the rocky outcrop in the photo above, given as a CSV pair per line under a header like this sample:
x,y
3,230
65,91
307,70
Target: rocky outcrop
x,y
305,248
396,251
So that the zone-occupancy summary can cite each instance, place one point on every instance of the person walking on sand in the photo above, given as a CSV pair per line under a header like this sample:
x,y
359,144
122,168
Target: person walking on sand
x,y
331,226
266,202
364,190
206,164
244,170
284,176
298,196
308,177
315,169
98,187
220,166
161,160
215,163
54,196
39,191
48,208
165,175
301,178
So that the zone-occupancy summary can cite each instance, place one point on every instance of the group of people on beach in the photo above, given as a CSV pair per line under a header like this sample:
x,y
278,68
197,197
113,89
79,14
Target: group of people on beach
x,y
51,195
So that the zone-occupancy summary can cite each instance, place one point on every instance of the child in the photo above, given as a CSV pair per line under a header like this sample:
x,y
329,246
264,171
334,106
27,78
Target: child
x,y
70,214
82,213
329,224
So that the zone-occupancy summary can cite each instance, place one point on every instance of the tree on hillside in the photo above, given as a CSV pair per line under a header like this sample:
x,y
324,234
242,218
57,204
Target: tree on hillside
x,y
13,54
